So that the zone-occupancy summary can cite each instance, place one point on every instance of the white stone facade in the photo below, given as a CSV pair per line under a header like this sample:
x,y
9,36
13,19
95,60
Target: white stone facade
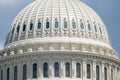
x,y
65,32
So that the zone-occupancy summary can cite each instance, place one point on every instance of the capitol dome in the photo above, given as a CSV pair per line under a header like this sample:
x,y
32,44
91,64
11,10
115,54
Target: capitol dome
x,y
58,40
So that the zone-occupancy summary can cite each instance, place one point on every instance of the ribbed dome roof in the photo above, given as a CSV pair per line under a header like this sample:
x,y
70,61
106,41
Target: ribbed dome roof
x,y
56,21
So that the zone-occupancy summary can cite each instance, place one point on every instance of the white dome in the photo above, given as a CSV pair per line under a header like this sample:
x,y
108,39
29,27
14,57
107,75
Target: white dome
x,y
58,21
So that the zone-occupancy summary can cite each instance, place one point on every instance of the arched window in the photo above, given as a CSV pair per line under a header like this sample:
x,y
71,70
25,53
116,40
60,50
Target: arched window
x,y
31,26
97,73
56,24
15,73
1,74
111,74
78,70
105,73
95,28
39,25
8,73
82,25
18,29
89,28
65,24
88,71
24,28
24,72
67,69
47,25
100,29
73,25
45,70
56,69
34,70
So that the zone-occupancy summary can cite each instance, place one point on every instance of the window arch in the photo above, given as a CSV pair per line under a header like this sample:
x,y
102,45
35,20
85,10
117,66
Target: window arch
x,y
97,73
67,69
56,24
88,71
78,70
111,74
65,24
105,73
31,26
24,72
39,25
8,73
89,28
73,25
34,70
1,74
47,25
56,69
24,27
18,29
45,70
95,28
15,73
81,25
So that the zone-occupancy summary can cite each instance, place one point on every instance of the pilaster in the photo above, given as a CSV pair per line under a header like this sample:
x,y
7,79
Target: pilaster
x,y
84,70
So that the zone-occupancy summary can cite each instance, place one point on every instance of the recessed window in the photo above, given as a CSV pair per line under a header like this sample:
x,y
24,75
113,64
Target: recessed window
x,y
1,74
15,73
45,70
82,25
105,73
24,28
47,25
56,24
24,72
111,74
97,73
56,69
67,69
89,28
8,73
39,25
100,29
95,28
78,70
73,25
31,26
34,70
65,24
88,71
18,29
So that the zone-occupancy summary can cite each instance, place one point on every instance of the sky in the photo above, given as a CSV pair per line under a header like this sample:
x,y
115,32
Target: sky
x,y
108,10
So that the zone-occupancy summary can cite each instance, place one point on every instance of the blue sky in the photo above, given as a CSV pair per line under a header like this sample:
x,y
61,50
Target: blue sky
x,y
108,10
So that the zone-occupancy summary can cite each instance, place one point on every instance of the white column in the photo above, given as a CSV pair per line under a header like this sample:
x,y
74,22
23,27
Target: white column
x,y
51,71
62,69
73,69
109,72
11,72
94,71
84,70
102,72
20,71
115,73
40,74
4,73
29,71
